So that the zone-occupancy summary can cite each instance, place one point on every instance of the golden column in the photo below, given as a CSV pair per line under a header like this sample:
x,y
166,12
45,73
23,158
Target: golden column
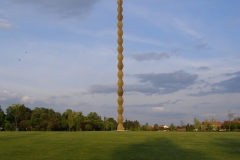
x,y
120,66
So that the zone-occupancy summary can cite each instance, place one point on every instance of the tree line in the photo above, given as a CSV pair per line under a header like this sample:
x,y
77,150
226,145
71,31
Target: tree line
x,y
21,118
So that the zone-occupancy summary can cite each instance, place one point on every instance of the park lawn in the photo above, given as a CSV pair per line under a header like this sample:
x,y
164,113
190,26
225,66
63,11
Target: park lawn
x,y
120,145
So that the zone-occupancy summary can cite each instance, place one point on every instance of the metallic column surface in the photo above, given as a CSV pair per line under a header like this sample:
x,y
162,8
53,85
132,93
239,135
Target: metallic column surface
x,y
120,66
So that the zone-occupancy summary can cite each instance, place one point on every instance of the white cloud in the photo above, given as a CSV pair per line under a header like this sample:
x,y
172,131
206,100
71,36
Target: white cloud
x,y
187,29
158,109
146,40
5,24
26,99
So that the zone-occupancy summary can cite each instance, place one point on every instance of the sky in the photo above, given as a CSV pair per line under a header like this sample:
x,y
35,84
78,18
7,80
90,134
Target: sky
x,y
181,59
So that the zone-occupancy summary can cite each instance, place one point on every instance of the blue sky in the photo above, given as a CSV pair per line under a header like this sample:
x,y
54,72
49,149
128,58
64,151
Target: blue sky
x,y
181,58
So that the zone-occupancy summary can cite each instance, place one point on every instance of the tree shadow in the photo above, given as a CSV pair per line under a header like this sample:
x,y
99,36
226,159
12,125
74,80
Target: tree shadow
x,y
228,147
155,149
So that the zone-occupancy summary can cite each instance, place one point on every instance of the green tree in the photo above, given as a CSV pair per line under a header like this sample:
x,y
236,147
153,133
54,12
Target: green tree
x,y
230,116
16,111
197,124
8,126
155,127
213,124
172,127
113,123
190,127
70,119
93,116
78,118
146,127
25,124
64,122
88,127
132,125
2,117
95,120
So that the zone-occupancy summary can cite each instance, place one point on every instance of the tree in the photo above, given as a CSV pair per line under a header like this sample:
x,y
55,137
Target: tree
x,y
182,123
113,123
214,124
2,117
189,127
237,119
197,124
16,111
64,122
230,116
132,125
8,126
78,117
155,127
172,127
70,119
146,127
95,120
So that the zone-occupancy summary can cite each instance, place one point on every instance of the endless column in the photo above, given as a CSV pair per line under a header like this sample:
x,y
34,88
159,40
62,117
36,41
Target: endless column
x,y
120,66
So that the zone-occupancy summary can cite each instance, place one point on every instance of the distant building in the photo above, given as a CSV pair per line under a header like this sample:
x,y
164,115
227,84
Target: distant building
x,y
164,126
213,125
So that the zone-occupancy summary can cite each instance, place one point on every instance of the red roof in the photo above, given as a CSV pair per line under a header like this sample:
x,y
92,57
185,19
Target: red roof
x,y
217,123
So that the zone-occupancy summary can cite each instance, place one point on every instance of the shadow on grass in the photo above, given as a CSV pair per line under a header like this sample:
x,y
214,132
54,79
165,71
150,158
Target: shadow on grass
x,y
159,148
229,147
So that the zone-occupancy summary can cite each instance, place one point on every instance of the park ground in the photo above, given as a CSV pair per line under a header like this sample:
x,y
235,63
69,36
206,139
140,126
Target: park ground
x,y
120,145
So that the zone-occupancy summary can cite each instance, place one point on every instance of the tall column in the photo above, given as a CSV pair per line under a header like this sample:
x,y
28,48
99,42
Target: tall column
x,y
120,66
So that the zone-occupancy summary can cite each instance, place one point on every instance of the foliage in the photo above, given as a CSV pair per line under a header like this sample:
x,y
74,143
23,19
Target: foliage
x,y
16,112
155,127
132,125
172,127
190,128
197,124
2,117
70,119
43,119
230,115
145,127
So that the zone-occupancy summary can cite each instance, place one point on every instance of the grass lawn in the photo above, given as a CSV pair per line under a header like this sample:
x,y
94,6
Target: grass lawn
x,y
119,145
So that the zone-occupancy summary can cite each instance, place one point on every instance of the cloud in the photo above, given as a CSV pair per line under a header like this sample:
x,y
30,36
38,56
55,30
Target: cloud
x,y
102,89
58,103
168,82
66,9
203,68
161,83
146,40
148,56
201,46
231,85
5,24
158,109
184,27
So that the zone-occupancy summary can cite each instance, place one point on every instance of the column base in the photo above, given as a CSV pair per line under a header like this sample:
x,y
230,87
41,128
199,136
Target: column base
x,y
120,127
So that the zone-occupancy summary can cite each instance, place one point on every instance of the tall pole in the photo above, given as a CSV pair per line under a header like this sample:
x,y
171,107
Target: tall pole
x,y
120,66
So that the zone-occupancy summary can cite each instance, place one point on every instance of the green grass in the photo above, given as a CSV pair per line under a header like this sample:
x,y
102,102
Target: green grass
x,y
119,145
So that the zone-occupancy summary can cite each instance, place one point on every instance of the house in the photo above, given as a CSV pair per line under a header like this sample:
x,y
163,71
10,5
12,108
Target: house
x,y
181,129
163,127
211,125
231,125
